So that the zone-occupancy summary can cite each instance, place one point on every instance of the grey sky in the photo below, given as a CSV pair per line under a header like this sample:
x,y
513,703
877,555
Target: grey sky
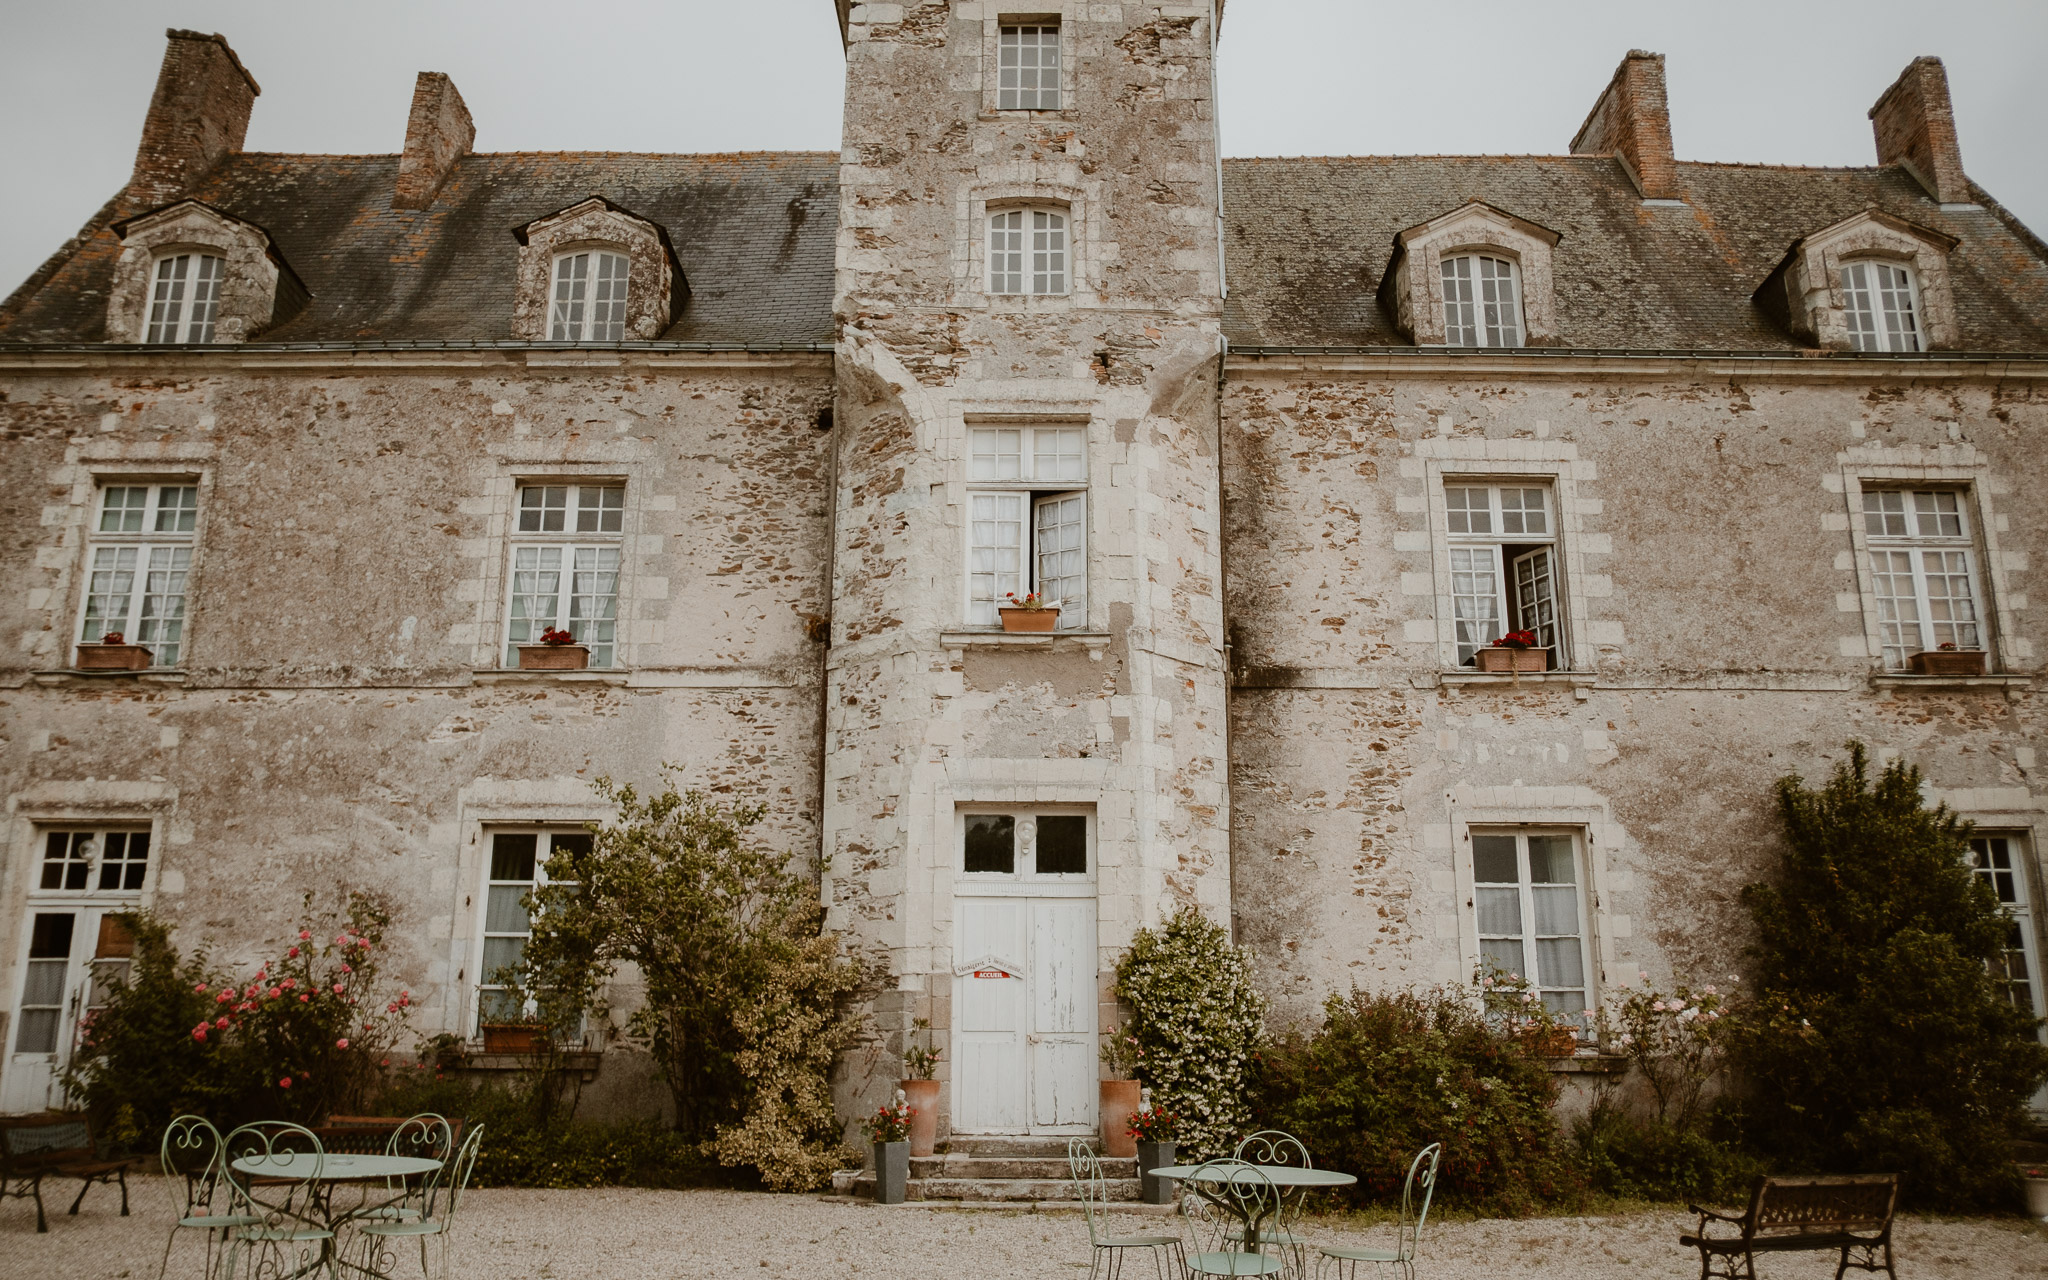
x,y
1779,81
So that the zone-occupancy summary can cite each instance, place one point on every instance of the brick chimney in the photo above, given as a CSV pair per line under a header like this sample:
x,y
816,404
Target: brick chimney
x,y
198,115
1916,130
1632,123
437,134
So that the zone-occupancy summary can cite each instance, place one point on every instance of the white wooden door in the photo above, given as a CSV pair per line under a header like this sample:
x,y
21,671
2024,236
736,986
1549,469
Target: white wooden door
x,y
1024,1015
48,998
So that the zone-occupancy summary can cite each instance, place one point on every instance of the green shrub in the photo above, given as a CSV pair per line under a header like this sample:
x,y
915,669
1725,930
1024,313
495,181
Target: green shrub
x,y
519,1150
1197,1020
1388,1074
1655,1160
1878,1039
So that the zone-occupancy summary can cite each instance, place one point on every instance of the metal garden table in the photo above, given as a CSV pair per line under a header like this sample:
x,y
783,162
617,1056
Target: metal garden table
x,y
328,1170
1280,1175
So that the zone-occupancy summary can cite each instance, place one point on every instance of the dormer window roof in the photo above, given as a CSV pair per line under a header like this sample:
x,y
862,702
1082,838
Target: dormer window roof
x,y
1871,282
192,273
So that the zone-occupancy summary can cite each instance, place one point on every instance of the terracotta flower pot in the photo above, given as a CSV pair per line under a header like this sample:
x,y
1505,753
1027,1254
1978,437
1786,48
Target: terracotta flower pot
x,y
112,657
513,1037
1119,1104
1029,619
1948,662
923,1097
554,657
1502,658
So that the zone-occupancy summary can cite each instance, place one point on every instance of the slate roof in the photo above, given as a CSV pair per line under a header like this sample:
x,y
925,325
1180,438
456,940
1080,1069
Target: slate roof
x,y
754,232
1309,240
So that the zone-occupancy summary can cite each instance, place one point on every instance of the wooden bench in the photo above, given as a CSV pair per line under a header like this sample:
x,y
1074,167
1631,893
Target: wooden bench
x,y
33,1148
1852,1214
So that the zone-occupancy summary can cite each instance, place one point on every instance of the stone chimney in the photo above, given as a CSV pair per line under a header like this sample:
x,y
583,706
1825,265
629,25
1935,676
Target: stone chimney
x,y
437,134
1632,123
198,115
1916,130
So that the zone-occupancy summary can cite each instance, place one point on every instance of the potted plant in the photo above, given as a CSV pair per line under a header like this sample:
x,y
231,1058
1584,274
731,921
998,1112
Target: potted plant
x,y
1031,612
557,651
2036,1178
1120,1093
889,1133
1948,660
112,652
1153,1130
1516,651
920,1090
514,1037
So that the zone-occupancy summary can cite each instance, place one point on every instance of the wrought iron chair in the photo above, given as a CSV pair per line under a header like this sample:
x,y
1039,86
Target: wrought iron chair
x,y
441,1195
1344,1260
280,1187
194,1164
1092,1189
428,1136
1228,1206
1271,1146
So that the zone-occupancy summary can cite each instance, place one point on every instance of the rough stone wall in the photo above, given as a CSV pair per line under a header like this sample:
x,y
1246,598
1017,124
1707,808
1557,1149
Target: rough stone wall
x,y
341,720
922,714
1714,607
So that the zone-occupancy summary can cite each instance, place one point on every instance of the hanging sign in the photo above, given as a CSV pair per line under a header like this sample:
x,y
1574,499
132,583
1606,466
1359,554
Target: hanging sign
x,y
990,973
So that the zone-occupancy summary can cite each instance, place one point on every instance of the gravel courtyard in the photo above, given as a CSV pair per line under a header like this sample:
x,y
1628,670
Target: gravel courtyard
x,y
662,1235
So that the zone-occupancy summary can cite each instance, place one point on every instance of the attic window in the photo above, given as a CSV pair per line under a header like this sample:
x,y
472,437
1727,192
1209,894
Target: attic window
x,y
589,299
1878,303
1482,302
184,298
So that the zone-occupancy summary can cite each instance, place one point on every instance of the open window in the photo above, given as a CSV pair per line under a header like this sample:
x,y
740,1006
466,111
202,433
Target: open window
x,y
1504,565
567,548
1027,520
1923,572
138,561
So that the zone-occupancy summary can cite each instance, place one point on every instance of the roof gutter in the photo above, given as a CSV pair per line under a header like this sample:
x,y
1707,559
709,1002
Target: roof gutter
x,y
1554,362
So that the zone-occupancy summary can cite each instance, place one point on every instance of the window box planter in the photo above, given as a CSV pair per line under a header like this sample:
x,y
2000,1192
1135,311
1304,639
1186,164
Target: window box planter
x,y
1120,1100
923,1097
1558,1042
112,657
1029,619
1947,662
1501,658
554,657
1154,1155
514,1037
892,1171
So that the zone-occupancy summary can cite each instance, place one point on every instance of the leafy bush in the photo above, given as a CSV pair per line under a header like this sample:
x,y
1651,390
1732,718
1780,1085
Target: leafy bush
x,y
1655,1160
746,996
519,1150
1676,1041
1388,1074
1879,1039
1197,1021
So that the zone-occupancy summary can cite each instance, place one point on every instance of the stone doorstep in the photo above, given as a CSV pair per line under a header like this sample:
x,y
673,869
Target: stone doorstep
x,y
1008,1191
1003,1206
981,1166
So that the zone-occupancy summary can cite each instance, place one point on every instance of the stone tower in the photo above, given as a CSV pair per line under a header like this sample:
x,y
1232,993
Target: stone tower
x,y
1029,301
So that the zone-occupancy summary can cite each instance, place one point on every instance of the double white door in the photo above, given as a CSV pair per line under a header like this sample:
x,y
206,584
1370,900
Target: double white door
x,y
1024,1015
67,947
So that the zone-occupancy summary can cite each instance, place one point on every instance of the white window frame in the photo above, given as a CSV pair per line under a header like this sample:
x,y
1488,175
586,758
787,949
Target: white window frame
x,y
1897,543
1524,891
577,541
1475,315
1881,305
2013,883
1479,553
545,836
1024,476
138,581
1012,39
1033,259
183,302
590,307
1024,869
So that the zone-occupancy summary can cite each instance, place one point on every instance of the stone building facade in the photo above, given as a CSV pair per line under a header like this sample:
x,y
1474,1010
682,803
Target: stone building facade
x,y
1291,442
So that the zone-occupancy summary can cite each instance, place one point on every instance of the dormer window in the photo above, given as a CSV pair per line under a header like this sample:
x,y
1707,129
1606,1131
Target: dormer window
x,y
1027,251
185,298
589,300
1482,302
1878,305
1028,68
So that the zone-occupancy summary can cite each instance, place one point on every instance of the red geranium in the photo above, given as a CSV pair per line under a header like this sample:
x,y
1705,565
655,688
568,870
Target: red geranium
x,y
1516,640
553,637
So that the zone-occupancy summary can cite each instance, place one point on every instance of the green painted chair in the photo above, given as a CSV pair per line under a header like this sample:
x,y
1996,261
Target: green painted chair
x,y
194,1165
441,1196
1271,1146
1092,1189
426,1136
1229,1207
279,1187
1344,1261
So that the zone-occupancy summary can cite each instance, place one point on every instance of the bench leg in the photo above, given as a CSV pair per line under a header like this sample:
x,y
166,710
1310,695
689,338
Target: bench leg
x,y
124,1193
42,1224
84,1185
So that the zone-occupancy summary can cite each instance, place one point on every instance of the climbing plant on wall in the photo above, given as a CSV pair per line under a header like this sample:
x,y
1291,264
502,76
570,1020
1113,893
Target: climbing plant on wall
x,y
1198,1020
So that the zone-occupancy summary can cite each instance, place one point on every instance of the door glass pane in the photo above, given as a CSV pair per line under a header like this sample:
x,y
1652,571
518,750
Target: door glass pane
x,y
1493,860
1557,910
38,1031
1062,845
991,843
501,954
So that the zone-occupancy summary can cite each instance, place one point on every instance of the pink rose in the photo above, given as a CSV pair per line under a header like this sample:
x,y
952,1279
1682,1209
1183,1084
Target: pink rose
x,y
392,1007
221,1022
337,988
285,1083
304,999
224,997
199,1032
289,983
346,969
341,1043
201,987
305,935
273,993
292,954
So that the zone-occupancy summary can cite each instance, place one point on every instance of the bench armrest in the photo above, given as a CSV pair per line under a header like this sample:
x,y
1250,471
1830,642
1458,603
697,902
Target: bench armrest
x,y
1706,1214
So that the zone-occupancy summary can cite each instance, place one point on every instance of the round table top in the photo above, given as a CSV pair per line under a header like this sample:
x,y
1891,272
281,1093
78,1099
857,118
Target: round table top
x,y
1280,1175
333,1167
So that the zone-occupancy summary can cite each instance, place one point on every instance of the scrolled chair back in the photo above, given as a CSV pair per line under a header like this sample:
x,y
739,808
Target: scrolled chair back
x,y
1230,1206
275,1167
1421,1173
1271,1146
454,1182
1089,1185
191,1157
427,1135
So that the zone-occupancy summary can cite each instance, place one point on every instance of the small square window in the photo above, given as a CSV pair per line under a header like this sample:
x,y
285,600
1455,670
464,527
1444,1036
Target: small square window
x,y
991,844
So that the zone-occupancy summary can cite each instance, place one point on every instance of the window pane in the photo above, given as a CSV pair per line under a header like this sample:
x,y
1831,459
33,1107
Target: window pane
x,y
1461,328
1560,962
504,912
121,508
205,304
1895,308
995,453
1062,845
1006,258
1475,598
608,303
512,855
991,843
1550,860
1048,253
1504,953
1500,912
38,1026
177,509
1493,860
594,601
1536,598
110,590
49,938
1884,513
566,313
1059,453
1951,599
1898,606
1501,308
570,842
500,954
1469,510
1938,514
1525,511
1857,310
1028,62
1557,910
536,596
1063,556
167,299
161,624
600,510
995,553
